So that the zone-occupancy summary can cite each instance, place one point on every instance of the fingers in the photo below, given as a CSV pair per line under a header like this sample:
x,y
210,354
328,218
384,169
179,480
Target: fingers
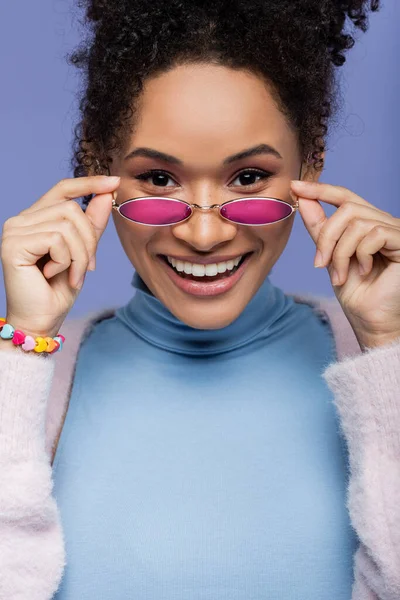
x,y
347,246
78,256
380,238
68,189
313,216
65,214
332,194
334,227
311,194
25,250
98,212
364,238
61,240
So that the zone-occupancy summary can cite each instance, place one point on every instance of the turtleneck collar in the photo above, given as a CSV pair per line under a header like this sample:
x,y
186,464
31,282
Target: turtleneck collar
x,y
151,320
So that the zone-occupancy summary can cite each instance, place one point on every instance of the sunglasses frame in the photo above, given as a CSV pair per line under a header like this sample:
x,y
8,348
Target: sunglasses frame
x,y
115,206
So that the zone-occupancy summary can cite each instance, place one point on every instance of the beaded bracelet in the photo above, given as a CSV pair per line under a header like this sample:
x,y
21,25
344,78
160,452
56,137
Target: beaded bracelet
x,y
27,342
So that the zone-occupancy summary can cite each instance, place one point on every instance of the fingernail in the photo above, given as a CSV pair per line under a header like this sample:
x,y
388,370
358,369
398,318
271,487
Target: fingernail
x,y
335,277
92,263
319,260
298,183
108,179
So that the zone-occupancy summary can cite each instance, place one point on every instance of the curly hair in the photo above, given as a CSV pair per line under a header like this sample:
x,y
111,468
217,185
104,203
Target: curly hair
x,y
293,44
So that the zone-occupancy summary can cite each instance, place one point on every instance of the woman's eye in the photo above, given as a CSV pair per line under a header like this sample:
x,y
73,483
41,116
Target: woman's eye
x,y
159,178
156,178
250,177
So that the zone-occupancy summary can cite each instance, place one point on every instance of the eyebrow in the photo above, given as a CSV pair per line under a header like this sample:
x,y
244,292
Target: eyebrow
x,y
254,151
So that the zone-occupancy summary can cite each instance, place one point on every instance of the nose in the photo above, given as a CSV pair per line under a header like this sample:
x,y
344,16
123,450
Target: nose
x,y
205,230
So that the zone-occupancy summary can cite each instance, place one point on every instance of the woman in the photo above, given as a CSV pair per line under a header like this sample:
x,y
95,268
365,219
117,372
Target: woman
x,y
196,445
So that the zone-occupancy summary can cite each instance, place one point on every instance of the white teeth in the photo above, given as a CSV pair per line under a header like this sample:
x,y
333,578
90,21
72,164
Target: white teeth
x,y
211,270
198,270
188,268
203,270
221,267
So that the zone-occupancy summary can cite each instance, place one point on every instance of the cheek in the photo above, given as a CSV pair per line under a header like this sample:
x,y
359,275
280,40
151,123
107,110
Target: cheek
x,y
273,238
274,234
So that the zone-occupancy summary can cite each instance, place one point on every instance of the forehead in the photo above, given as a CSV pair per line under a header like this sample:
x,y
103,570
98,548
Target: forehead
x,y
209,109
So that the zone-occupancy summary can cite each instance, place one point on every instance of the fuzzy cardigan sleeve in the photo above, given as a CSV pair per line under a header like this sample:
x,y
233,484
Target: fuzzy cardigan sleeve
x,y
366,392
31,543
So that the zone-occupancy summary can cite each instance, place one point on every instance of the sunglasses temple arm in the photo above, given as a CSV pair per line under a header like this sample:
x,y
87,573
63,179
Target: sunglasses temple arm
x,y
296,204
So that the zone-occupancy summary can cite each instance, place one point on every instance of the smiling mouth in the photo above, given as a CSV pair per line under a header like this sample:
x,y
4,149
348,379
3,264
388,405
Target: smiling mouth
x,y
206,278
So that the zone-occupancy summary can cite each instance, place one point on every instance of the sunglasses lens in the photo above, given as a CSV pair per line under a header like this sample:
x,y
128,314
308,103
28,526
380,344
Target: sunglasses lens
x,y
155,211
256,211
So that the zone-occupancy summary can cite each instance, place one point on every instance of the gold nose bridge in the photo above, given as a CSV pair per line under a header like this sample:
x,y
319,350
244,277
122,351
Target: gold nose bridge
x,y
206,207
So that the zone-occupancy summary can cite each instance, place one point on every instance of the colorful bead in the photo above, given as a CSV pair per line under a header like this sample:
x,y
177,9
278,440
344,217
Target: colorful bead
x,y
50,344
41,344
57,347
61,336
7,332
59,340
18,337
28,344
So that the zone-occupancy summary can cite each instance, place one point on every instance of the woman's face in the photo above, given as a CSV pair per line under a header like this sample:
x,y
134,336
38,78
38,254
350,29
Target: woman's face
x,y
200,116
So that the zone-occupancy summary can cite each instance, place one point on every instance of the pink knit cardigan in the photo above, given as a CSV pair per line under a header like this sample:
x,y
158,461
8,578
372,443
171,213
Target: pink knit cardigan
x,y
34,394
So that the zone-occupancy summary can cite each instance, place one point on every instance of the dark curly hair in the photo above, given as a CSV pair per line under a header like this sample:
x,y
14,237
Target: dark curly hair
x,y
292,44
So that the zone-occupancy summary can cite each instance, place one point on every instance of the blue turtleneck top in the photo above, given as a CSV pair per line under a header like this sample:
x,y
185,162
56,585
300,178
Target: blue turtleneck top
x,y
204,464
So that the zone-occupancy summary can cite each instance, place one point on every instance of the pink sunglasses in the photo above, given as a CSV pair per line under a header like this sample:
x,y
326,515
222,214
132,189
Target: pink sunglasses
x,y
158,211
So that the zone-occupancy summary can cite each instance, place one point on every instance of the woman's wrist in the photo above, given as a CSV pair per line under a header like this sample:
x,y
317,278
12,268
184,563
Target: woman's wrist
x,y
18,335
28,328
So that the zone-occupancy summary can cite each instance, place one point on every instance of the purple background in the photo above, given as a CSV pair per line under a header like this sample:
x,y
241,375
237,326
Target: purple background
x,y
38,111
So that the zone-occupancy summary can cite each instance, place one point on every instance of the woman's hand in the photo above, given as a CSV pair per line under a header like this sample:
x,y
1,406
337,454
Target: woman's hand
x,y
357,236
46,249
